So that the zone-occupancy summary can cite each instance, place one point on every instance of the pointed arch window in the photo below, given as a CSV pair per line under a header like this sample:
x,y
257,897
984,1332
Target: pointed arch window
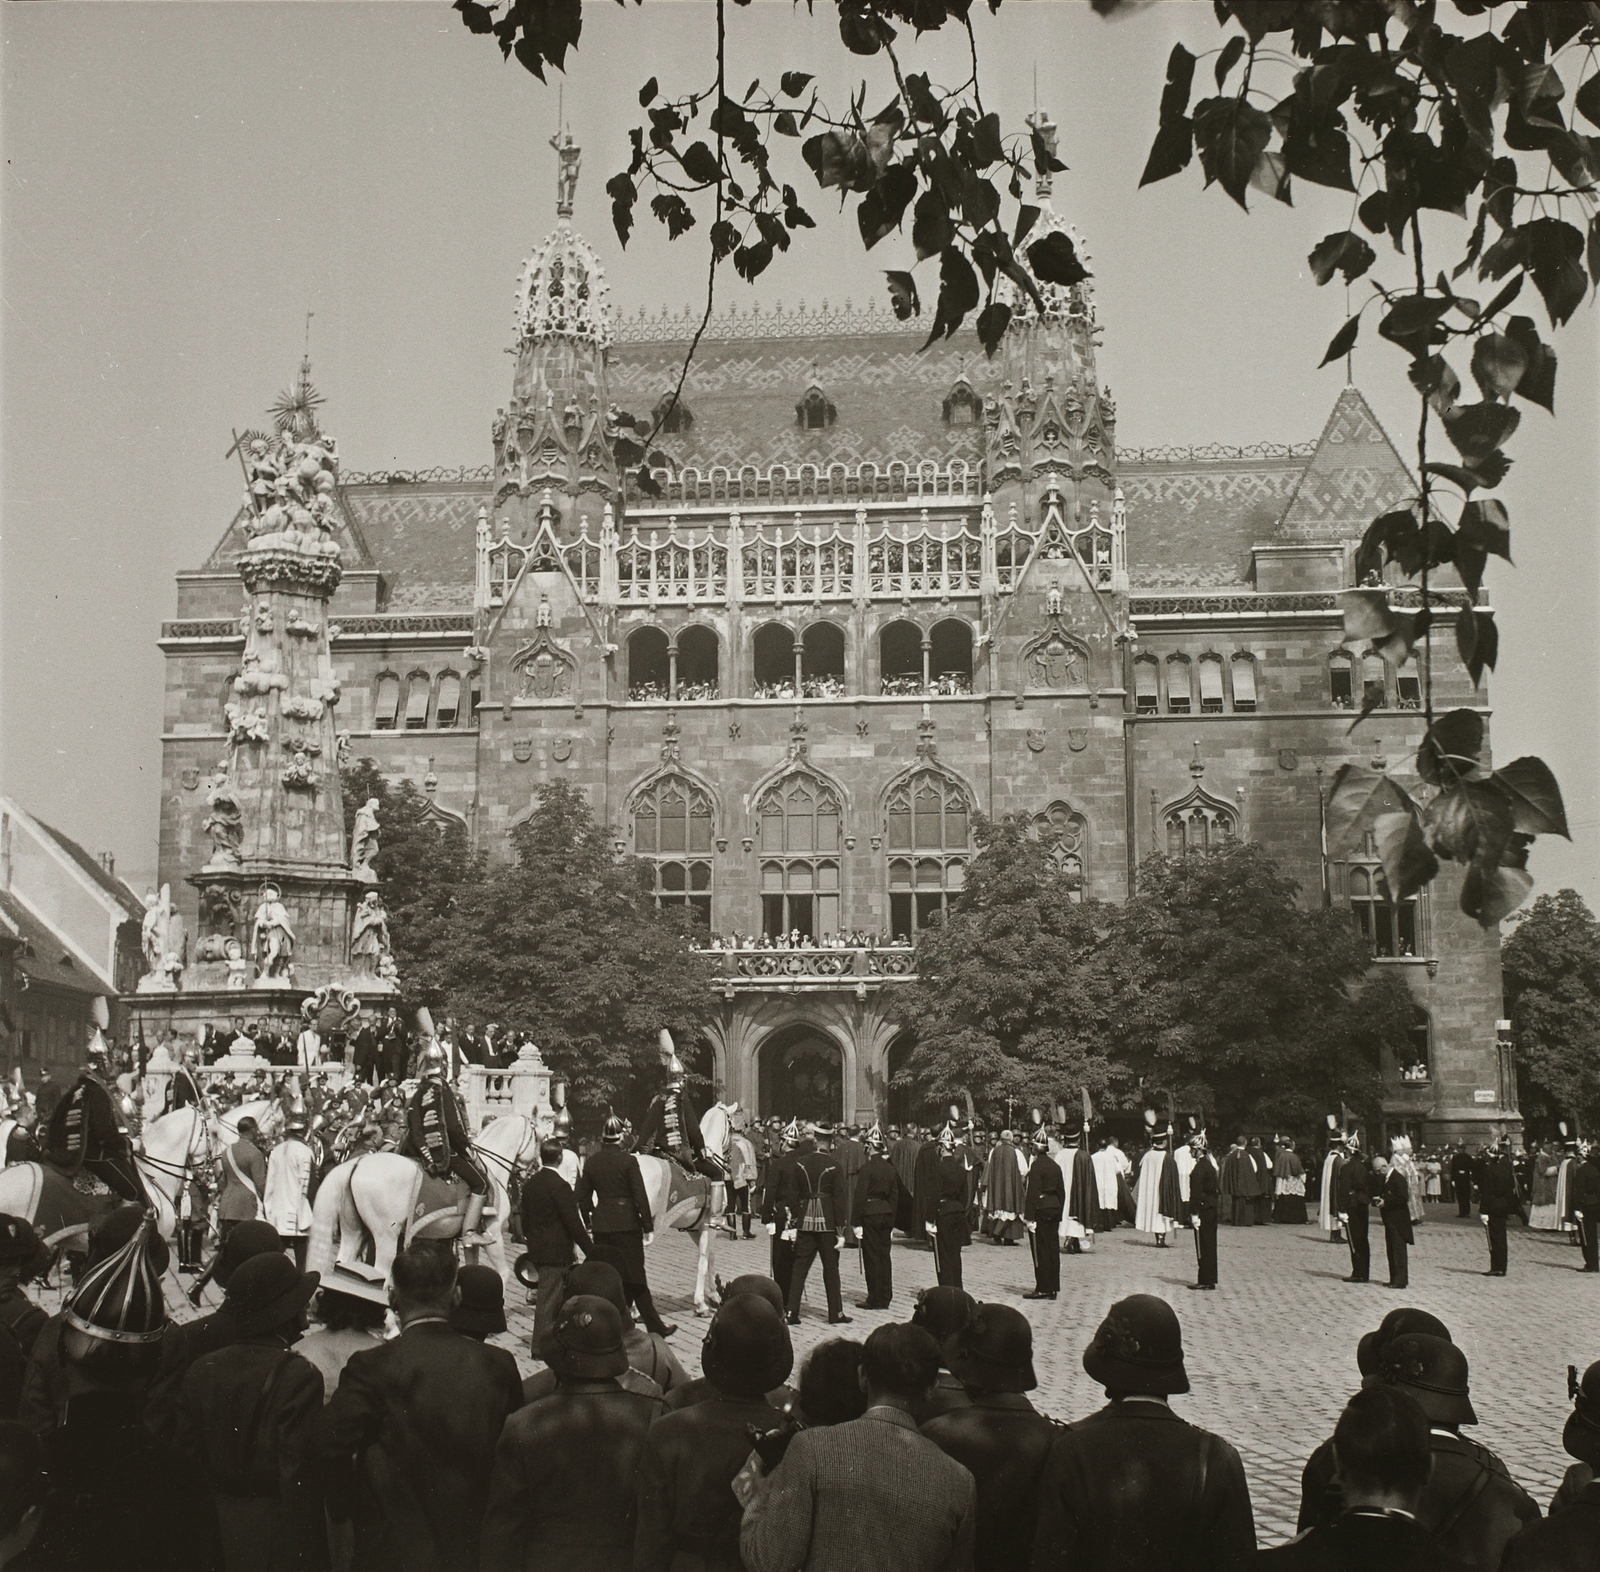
x,y
419,689
1244,683
678,416
1146,685
447,710
1374,682
1211,685
1341,680
673,828
1063,832
1179,698
928,841
1394,930
386,706
815,412
1199,826
800,819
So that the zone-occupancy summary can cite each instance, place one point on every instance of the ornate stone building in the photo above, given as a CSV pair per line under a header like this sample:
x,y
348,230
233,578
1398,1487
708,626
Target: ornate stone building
x,y
880,591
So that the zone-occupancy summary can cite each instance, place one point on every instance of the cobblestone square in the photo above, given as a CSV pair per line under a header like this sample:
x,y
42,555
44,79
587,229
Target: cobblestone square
x,y
1271,1355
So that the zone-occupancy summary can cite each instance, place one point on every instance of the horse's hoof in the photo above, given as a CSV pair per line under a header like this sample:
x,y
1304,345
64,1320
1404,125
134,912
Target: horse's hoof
x,y
703,1311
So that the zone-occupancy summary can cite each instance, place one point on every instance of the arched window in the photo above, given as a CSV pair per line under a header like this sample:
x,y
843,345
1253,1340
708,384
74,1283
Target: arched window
x,y
962,405
672,827
927,838
1244,683
679,416
1341,680
1417,1066
950,656
697,664
1374,682
815,412
1210,684
900,658
1198,826
386,706
419,688
822,661
1390,928
1062,833
775,673
1146,685
648,665
1178,687
447,711
1408,690
800,828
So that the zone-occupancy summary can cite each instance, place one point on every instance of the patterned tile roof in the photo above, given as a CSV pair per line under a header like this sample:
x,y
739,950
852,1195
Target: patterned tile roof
x,y
1354,475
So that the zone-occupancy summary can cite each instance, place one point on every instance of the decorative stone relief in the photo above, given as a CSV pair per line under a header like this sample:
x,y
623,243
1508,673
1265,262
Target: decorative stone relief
x,y
547,669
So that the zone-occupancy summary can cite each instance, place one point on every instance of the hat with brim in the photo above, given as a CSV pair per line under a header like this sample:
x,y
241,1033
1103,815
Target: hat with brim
x,y
1398,1323
1434,1372
993,1352
246,1240
21,1247
1138,1348
482,1308
525,1271
268,1290
747,1349
587,1340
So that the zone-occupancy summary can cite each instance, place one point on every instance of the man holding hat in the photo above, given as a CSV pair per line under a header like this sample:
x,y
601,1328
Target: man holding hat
x,y
1568,1538
1470,1505
876,1200
688,1515
563,1491
245,1417
1205,1205
1044,1199
1000,1439
1134,1485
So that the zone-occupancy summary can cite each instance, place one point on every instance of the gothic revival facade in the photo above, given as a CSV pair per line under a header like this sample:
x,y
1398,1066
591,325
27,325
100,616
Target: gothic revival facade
x,y
880,591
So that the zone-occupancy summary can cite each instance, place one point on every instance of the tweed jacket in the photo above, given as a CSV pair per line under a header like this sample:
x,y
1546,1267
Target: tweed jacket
x,y
870,1495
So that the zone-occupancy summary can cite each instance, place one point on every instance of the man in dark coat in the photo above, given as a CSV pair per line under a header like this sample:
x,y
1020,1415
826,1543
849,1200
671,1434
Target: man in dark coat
x,y
1498,1200
564,1487
851,1157
876,1199
1044,1199
86,1131
612,1199
436,1137
903,1154
1461,1180
1000,1439
689,1517
407,1442
366,1053
1237,1175
809,1212
946,1226
1395,1209
392,1052
672,1123
925,1185
551,1229
1355,1214
779,1164
1205,1205
1134,1485
1569,1539
1583,1194
1261,1199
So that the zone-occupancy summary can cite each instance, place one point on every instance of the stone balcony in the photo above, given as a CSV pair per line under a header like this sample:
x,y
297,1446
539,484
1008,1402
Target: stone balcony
x,y
818,969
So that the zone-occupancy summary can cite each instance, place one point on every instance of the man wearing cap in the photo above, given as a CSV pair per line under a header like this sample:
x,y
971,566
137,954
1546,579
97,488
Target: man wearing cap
x,y
1000,1439
1498,1200
779,1177
809,1214
1566,1541
1134,1485
283,1197
436,1137
1205,1206
245,1417
612,1199
87,1131
1470,1505
1044,1199
876,1199
688,1515
1355,1212
947,1225
552,1231
563,1490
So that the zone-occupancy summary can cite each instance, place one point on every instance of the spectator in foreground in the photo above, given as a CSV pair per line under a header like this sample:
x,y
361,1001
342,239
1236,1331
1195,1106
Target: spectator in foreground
x,y
480,1307
869,1495
1382,1449
21,1489
1000,1439
831,1392
702,1389
943,1312
1134,1485
1569,1539
346,1325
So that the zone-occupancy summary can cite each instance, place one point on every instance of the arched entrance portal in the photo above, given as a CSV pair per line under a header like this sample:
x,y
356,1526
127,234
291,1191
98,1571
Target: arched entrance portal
x,y
802,1075
904,1104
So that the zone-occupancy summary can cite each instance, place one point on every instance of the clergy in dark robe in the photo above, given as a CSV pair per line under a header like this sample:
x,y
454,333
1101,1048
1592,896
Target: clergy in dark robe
x,y
850,1157
903,1154
1261,1201
1289,1175
1003,1183
925,1186
1236,1183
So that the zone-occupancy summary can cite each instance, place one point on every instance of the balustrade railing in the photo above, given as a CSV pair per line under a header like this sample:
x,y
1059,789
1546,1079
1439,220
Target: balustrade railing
x,y
823,962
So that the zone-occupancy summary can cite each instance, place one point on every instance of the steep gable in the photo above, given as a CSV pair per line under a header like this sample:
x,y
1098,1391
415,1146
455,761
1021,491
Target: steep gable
x,y
1354,474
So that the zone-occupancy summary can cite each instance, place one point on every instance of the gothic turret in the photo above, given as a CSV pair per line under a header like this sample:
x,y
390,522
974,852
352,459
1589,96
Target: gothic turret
x,y
555,437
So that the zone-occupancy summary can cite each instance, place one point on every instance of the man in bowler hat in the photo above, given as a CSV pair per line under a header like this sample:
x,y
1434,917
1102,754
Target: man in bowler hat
x,y
1044,1199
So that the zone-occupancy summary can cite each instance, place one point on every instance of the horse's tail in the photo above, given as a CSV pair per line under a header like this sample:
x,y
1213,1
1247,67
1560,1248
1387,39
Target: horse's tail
x,y
327,1212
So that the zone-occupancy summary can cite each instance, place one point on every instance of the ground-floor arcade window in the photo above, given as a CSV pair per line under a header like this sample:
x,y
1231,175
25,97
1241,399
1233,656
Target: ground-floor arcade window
x,y
648,665
900,658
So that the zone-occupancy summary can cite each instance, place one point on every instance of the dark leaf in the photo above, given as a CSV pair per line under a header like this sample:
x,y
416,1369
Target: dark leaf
x,y
1408,861
1491,469
1171,151
1503,299
992,323
1342,342
1317,149
623,195
1374,212
1474,243
1508,252
1054,260
958,294
864,32
1027,217
1343,252
700,164
931,228
796,217
1228,58
883,207
924,102
1469,822
1367,615
903,295
1594,248
785,124
751,262
1356,798
1537,383
1477,429
1044,161
1536,806
1180,77
793,83
647,92
1456,741
1412,322
674,212
1230,134
1260,17
1456,474
980,202
1586,100
1500,191
1477,641
724,237
647,483
986,148
1555,258
1486,525
529,56
1392,537
479,18
1498,362
1434,378
1490,894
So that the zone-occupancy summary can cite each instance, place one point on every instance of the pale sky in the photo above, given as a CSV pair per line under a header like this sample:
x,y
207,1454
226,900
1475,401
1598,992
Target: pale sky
x,y
183,182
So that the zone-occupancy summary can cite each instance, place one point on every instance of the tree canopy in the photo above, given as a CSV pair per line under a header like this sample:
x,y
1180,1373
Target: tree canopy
x,y
1211,990
1551,961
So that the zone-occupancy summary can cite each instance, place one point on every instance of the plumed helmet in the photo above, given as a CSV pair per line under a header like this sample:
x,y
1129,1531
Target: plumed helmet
x,y
791,1135
875,1141
615,1129
947,1139
119,1299
431,1060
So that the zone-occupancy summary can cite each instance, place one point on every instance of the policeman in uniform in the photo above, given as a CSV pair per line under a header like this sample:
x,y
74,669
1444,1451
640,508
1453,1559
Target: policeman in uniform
x,y
778,1179
947,1228
436,1136
1355,1211
87,1130
1205,1184
616,1209
1044,1200
877,1194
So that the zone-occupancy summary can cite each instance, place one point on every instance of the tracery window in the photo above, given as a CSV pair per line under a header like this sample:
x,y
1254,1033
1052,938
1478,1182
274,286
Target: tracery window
x,y
800,886
386,707
1062,833
1392,929
928,841
1198,827
419,688
1178,688
672,826
815,412
679,418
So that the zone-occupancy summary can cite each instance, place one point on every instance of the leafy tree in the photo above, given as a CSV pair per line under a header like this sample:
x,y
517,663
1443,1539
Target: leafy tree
x,y
566,943
424,869
1015,994
1552,982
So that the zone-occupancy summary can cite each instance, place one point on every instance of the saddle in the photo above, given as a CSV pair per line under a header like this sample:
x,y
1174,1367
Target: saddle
x,y
438,1207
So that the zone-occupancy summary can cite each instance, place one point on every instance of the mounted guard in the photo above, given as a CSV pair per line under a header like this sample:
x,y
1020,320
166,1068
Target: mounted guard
x,y
87,1131
672,1126
436,1137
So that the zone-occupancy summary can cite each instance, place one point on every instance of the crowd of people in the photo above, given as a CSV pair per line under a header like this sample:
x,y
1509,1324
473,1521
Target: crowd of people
x,y
856,939
659,693
296,1429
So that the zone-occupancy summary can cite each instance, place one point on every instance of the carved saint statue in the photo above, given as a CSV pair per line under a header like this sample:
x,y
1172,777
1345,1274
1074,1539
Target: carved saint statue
x,y
369,936
225,824
155,931
571,156
364,840
272,937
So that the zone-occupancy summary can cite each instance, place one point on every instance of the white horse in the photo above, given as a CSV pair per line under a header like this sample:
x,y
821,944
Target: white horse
x,y
379,1195
690,1202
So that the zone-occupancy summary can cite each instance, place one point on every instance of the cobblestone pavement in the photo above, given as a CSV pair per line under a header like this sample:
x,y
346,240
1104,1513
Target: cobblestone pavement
x,y
1271,1355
